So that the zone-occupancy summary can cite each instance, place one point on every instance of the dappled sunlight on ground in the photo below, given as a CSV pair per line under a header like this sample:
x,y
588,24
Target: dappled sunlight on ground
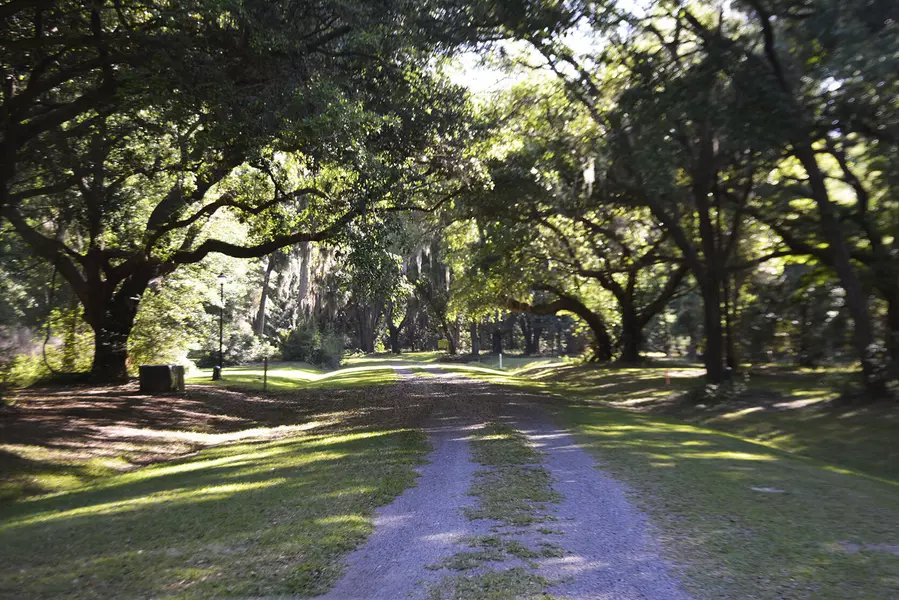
x,y
256,518
792,410
271,487
713,493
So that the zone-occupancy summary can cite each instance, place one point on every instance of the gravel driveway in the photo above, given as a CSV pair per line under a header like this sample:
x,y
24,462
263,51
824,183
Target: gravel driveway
x,y
609,550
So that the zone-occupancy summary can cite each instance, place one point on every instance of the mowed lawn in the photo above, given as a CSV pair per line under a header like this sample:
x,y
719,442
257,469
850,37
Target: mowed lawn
x,y
271,493
791,500
791,410
286,376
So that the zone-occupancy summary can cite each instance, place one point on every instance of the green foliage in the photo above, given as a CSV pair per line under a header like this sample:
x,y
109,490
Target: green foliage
x,y
171,319
21,370
308,343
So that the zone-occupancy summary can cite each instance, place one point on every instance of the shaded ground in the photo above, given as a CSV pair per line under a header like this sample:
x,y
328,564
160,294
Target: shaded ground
x,y
610,552
61,438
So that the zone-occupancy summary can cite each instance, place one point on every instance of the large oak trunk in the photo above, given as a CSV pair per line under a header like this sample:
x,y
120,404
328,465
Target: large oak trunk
x,y
496,338
713,355
394,335
111,315
631,338
452,346
111,351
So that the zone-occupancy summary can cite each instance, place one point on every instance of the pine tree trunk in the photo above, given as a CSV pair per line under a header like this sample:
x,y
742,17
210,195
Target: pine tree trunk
x,y
475,341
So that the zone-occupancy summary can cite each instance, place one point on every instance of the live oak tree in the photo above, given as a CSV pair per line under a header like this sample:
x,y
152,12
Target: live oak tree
x,y
795,64
292,121
562,235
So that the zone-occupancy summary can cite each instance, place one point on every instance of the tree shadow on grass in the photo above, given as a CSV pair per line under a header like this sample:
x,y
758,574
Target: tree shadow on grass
x,y
749,520
245,519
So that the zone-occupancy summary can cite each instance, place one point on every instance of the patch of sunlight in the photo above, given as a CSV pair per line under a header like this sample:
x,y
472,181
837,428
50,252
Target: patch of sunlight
x,y
187,467
29,452
681,373
300,371
117,463
652,397
339,519
545,370
255,434
844,471
132,504
662,464
695,443
303,374
803,402
57,482
728,455
190,574
472,368
741,413
347,491
655,427
350,437
495,436
255,456
353,370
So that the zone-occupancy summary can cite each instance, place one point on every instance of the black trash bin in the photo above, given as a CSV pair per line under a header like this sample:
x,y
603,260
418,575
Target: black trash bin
x,y
216,373
162,379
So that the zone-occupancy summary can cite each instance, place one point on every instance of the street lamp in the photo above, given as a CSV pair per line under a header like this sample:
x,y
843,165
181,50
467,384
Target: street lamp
x,y
217,373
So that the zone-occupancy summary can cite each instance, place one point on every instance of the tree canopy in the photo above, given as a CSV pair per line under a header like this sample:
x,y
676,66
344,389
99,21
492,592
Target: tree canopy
x,y
705,177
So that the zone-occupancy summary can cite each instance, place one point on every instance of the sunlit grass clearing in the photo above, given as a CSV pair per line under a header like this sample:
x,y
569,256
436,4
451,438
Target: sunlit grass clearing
x,y
286,377
246,519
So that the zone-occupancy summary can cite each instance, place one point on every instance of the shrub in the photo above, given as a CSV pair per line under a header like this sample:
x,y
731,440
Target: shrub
x,y
301,344
240,348
331,350
308,344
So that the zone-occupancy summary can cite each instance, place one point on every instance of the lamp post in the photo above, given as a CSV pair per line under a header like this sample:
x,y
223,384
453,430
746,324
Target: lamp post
x,y
217,373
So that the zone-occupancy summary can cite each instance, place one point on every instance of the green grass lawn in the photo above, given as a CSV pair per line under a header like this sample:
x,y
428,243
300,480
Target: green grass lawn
x,y
788,410
246,519
517,363
776,494
269,493
294,376
750,521
512,363
381,359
